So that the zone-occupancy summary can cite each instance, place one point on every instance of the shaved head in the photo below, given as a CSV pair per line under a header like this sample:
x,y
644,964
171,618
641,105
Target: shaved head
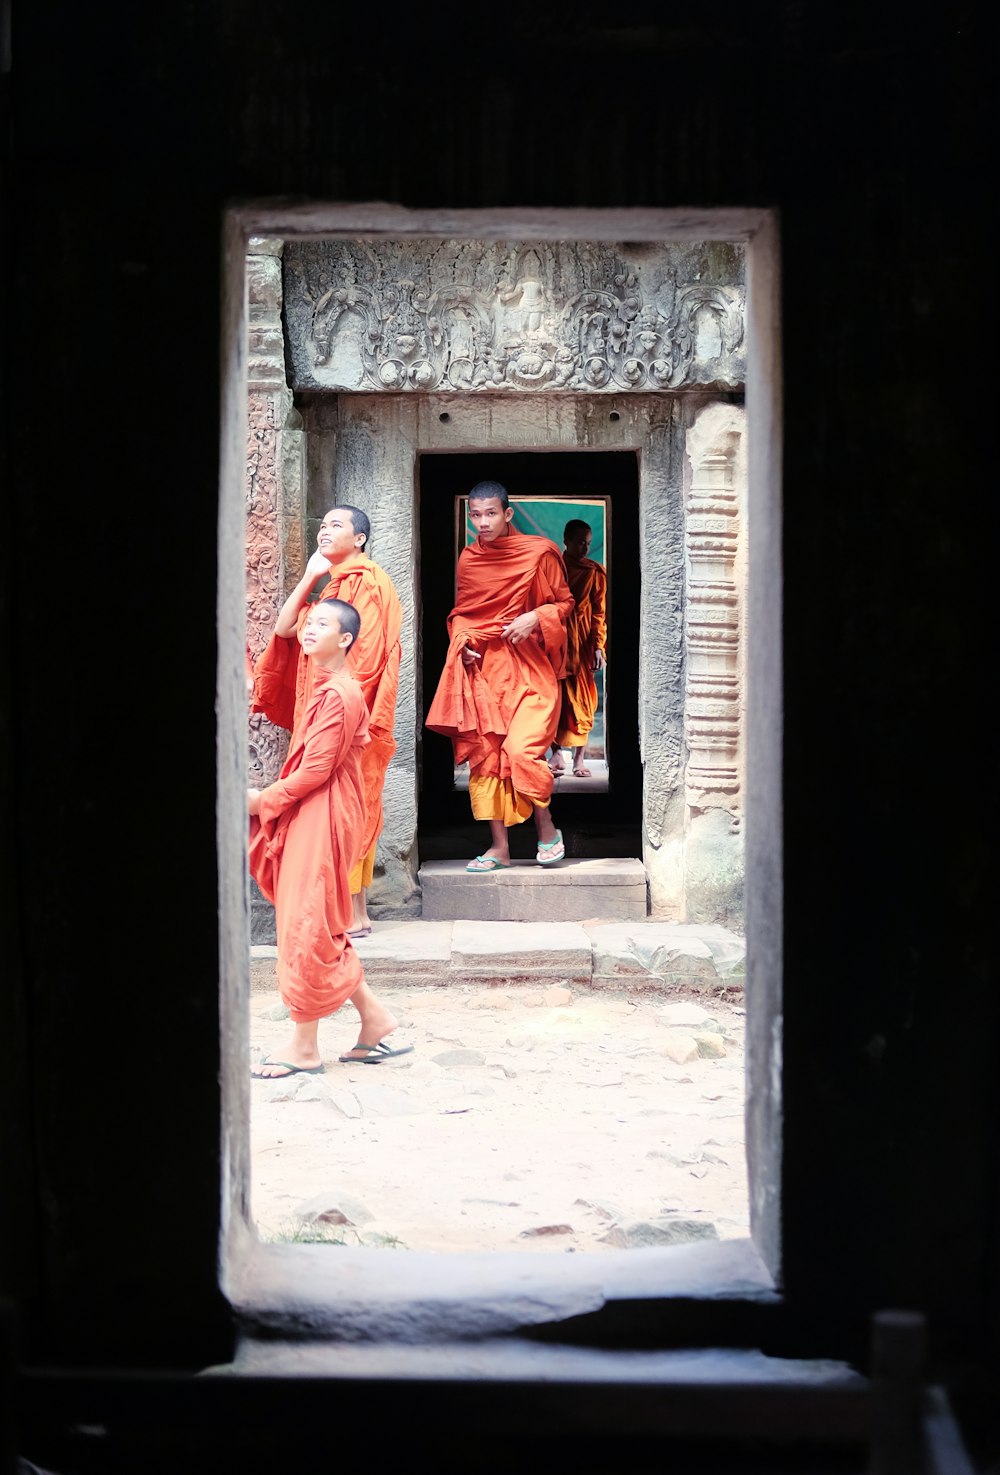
x,y
485,489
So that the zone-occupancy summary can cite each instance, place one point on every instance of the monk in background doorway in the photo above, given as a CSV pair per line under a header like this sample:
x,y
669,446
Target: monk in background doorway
x,y
498,696
586,646
284,675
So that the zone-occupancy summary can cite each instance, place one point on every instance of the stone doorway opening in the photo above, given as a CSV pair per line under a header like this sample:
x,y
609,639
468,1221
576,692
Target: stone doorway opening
x,y
427,422
603,823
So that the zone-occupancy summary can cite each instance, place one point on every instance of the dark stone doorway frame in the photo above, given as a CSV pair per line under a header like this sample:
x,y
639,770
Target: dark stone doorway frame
x,y
594,824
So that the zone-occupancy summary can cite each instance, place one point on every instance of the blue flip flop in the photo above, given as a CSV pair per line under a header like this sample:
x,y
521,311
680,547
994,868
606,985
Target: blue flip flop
x,y
556,845
487,863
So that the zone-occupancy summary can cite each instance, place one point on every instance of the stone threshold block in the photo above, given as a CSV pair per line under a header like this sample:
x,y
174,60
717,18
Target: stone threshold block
x,y
573,891
407,952
704,956
521,952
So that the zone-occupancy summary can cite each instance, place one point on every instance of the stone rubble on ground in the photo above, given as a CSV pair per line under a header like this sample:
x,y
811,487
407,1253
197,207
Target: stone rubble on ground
x,y
645,1232
335,1207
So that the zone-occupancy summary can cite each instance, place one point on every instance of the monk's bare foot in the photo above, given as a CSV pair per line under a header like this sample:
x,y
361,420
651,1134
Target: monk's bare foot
x,y
361,923
490,860
556,764
289,1064
544,826
376,1022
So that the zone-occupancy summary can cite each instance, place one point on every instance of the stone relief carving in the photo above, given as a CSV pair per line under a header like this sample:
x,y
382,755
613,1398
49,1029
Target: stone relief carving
x,y
713,695
480,316
274,454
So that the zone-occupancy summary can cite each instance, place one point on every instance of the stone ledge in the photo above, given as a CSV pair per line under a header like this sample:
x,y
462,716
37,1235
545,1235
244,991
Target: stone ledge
x,y
640,956
528,951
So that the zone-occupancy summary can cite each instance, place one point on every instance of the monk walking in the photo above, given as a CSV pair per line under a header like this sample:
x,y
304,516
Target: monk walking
x,y
498,696
306,831
586,642
284,673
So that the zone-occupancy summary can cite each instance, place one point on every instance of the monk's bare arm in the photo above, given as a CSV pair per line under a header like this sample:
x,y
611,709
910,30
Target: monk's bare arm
x,y
289,613
555,602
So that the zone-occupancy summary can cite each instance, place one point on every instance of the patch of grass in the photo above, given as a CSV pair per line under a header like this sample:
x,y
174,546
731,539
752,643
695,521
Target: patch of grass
x,y
305,1232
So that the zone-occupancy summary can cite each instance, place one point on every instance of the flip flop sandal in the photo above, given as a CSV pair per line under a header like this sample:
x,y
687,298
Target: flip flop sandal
x,y
483,864
556,846
287,1070
376,1054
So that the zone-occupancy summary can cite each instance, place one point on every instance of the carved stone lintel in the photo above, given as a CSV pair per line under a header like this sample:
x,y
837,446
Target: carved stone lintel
x,y
511,316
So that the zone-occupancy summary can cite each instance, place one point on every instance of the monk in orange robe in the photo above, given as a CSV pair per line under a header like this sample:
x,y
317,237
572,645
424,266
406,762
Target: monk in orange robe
x,y
586,642
306,831
498,696
284,675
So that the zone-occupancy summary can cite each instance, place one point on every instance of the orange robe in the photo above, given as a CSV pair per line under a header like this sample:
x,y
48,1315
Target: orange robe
x,y
586,634
307,838
283,679
501,713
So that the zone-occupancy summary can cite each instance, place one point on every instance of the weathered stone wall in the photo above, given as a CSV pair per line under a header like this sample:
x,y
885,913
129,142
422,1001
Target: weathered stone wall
x,y
361,453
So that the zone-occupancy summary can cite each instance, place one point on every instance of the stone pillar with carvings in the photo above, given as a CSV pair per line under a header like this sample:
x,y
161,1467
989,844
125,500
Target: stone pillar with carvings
x,y
713,662
275,526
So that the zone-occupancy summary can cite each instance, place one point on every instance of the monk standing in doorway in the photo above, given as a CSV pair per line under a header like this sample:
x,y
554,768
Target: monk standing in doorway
x,y
306,831
586,642
284,674
498,696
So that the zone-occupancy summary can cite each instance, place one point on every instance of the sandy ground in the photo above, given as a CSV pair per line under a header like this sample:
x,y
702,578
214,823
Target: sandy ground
x,y
523,1119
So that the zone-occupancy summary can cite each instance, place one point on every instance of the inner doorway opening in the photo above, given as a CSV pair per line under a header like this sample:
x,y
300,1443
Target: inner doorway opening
x,y
597,822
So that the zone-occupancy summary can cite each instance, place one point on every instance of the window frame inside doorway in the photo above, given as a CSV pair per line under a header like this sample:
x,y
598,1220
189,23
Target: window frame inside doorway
x,y
292,1286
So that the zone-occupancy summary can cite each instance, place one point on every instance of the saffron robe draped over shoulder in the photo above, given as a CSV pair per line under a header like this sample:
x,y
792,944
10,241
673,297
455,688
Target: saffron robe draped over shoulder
x,y
586,634
501,713
304,843
284,675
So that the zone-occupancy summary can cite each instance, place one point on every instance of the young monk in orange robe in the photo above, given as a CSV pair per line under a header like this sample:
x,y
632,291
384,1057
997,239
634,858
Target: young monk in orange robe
x,y
284,675
498,696
586,642
306,830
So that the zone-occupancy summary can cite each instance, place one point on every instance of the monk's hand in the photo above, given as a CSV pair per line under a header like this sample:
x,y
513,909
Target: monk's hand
x,y
600,660
470,656
253,801
521,628
318,564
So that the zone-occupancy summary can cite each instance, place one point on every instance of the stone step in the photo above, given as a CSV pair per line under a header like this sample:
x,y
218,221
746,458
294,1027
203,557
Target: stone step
x,y
575,890
646,956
